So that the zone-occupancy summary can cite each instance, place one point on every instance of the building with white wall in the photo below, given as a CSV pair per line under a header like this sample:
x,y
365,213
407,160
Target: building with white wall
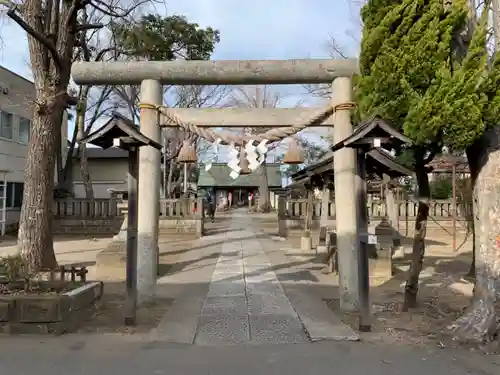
x,y
16,111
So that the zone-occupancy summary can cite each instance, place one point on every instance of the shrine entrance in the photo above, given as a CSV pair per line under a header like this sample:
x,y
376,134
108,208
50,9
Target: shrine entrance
x,y
247,150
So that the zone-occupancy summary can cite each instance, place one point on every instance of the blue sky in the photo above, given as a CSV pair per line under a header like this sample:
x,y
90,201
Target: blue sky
x,y
260,29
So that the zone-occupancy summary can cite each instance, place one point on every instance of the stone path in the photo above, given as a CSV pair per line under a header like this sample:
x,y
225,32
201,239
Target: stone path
x,y
242,301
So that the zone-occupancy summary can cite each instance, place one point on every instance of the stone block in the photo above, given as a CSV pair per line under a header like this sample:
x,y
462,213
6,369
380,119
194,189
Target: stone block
x,y
40,310
226,289
232,305
277,304
276,329
264,288
41,314
306,243
381,267
222,330
259,277
5,309
321,250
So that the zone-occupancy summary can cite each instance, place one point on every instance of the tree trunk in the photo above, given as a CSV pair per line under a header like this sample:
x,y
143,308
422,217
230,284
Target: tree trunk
x,y
170,177
474,166
82,148
480,322
35,225
471,273
84,170
68,164
264,205
411,287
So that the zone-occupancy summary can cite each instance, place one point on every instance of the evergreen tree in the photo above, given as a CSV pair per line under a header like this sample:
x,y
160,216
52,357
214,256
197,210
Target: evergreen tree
x,y
413,75
405,46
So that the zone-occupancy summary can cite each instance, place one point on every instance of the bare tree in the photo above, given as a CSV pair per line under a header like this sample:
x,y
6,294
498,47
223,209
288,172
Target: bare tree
x,y
335,51
187,97
93,102
53,28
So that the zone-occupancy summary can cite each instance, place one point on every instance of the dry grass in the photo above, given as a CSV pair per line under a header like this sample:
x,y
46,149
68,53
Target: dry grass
x,y
424,325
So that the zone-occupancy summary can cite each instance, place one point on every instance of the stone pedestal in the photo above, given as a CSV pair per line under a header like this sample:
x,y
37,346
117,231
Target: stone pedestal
x,y
111,262
306,243
381,267
398,252
321,250
122,234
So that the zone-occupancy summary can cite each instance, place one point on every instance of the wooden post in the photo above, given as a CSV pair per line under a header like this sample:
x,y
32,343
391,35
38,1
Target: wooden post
x,y
282,216
363,262
131,268
199,217
185,187
325,200
454,203
309,210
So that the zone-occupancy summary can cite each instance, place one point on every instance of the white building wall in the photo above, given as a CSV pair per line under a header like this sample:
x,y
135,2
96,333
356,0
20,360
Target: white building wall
x,y
16,99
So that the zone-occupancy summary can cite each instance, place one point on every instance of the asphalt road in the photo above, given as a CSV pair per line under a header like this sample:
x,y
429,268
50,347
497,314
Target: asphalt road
x,y
82,355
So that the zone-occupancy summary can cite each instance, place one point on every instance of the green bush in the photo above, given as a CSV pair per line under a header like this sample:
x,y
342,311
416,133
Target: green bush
x,y
441,188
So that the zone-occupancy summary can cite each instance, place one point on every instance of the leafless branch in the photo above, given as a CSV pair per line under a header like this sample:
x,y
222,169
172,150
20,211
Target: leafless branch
x,y
44,40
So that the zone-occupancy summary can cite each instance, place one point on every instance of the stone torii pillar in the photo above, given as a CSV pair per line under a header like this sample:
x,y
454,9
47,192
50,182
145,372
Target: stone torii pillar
x,y
149,193
344,165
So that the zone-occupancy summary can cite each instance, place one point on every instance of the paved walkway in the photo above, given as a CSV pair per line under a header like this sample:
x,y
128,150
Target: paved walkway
x,y
238,298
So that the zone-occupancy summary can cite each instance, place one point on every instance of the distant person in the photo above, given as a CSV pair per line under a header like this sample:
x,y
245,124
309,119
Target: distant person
x,y
210,207
229,199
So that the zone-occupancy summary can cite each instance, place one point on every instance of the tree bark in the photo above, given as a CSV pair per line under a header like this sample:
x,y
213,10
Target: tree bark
x,y
264,205
473,160
35,229
170,178
84,170
51,63
480,322
67,173
411,287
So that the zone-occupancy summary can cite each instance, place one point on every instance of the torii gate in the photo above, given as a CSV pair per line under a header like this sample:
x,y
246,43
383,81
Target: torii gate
x,y
151,75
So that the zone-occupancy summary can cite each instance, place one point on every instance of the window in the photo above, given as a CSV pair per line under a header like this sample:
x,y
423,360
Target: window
x,y
14,196
24,130
6,125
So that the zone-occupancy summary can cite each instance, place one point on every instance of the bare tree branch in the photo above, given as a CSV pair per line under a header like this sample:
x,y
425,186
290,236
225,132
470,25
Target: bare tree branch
x,y
47,42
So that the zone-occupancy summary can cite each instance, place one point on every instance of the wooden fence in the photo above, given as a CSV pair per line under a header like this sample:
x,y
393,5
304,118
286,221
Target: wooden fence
x,y
85,208
105,208
181,216
85,216
293,214
438,210
183,207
